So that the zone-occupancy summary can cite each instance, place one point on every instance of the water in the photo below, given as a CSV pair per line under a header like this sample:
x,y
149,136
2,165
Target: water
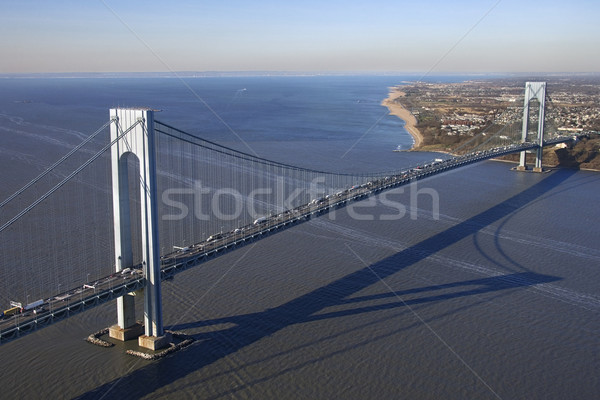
x,y
498,297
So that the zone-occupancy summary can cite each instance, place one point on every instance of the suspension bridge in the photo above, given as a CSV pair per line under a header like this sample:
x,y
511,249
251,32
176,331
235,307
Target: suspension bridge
x,y
139,200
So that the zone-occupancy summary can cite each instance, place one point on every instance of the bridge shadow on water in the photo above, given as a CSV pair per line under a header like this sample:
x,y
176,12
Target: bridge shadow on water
x,y
247,329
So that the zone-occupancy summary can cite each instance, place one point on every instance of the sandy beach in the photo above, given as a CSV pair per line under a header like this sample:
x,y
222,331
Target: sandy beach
x,y
398,110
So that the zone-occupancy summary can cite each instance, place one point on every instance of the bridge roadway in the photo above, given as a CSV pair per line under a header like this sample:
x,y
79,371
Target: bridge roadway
x,y
111,287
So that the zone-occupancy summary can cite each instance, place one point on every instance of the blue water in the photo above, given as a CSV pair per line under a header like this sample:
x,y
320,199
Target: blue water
x,y
312,120
315,108
494,297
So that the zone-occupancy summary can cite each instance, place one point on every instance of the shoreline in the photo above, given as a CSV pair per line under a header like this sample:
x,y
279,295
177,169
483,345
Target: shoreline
x,y
398,110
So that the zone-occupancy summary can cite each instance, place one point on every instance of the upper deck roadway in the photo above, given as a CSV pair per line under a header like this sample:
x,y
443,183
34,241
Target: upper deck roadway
x,y
111,287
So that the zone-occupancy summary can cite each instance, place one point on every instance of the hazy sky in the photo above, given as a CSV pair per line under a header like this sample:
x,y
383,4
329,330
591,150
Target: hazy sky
x,y
321,35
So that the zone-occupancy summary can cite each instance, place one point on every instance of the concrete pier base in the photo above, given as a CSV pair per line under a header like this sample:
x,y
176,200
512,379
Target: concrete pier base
x,y
154,342
521,168
538,169
116,332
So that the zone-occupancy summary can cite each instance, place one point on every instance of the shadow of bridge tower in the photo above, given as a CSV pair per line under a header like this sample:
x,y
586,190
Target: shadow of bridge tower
x,y
250,328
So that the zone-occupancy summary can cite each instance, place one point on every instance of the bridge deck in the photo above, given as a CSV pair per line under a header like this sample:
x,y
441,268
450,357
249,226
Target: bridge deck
x,y
111,287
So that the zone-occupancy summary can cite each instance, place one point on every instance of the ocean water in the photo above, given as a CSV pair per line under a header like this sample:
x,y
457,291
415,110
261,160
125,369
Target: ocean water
x,y
484,285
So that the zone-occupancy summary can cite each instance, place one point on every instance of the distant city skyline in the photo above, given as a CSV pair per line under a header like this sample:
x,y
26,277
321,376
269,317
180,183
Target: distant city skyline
x,y
497,36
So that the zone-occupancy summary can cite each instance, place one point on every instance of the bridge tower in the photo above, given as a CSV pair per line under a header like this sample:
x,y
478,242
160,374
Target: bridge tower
x,y
133,130
533,90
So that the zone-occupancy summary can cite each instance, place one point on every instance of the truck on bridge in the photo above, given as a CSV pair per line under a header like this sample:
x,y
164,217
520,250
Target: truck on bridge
x,y
34,305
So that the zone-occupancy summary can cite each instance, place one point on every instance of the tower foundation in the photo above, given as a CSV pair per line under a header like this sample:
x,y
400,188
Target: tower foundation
x,y
125,334
155,342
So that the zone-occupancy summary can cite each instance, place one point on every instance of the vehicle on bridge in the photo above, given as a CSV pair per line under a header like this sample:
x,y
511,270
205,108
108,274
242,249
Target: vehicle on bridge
x,y
33,306
11,311
216,236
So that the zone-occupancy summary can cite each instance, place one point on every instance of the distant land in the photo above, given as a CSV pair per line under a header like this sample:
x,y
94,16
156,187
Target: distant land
x,y
442,116
420,76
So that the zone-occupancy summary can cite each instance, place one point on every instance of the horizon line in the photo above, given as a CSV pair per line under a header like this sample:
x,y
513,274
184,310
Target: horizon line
x,y
266,73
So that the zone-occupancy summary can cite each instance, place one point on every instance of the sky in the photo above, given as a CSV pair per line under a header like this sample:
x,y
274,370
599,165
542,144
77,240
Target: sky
x,y
436,36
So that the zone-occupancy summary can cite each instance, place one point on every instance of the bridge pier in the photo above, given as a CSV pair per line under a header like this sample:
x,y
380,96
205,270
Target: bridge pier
x,y
133,133
533,90
127,327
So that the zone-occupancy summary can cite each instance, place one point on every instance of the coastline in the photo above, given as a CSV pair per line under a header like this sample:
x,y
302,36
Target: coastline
x,y
401,112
